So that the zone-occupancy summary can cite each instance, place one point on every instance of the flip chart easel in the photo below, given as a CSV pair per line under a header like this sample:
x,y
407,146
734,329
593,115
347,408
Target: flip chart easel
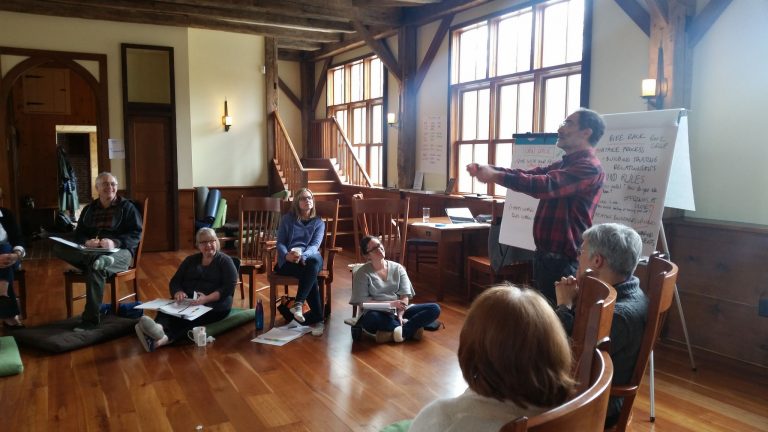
x,y
645,159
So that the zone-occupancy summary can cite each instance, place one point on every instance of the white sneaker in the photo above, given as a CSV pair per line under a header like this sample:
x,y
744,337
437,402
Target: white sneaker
x,y
318,329
298,315
397,334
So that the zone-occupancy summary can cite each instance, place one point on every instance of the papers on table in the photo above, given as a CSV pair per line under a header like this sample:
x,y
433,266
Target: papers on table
x,y
183,309
83,248
280,336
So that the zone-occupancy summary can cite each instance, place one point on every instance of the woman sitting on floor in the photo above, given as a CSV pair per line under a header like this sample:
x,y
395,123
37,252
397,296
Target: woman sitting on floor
x,y
383,281
211,275
514,355
11,253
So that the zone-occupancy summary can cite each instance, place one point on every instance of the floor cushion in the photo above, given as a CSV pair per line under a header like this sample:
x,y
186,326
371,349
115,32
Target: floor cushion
x,y
10,360
59,337
235,318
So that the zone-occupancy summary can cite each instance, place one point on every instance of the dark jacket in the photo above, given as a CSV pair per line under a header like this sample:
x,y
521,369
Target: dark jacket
x,y
11,227
125,230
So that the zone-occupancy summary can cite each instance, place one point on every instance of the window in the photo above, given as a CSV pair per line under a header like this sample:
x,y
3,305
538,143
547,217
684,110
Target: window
x,y
513,73
355,98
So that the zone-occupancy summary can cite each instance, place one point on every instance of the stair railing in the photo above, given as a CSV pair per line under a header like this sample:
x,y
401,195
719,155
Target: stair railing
x,y
294,175
333,144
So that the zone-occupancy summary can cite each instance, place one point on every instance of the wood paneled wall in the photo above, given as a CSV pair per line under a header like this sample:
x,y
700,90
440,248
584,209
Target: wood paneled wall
x,y
723,274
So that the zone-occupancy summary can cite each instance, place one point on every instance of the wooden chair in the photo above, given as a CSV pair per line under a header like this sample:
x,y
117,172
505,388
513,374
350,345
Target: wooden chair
x,y
584,413
592,324
115,281
386,218
519,272
259,218
329,212
662,276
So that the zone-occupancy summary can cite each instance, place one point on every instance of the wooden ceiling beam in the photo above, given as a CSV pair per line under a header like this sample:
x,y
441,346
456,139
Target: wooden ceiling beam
x,y
432,12
64,8
699,26
437,40
381,49
636,13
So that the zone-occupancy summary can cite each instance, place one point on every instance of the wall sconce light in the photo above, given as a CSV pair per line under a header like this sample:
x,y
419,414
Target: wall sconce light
x,y
391,120
226,120
654,91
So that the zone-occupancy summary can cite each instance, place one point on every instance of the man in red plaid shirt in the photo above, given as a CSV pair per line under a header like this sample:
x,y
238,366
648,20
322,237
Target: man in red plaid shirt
x,y
568,193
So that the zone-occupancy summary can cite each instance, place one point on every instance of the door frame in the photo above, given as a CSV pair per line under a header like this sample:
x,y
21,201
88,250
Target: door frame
x,y
66,59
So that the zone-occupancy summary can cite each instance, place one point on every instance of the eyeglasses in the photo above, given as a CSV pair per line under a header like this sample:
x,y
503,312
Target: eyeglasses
x,y
566,123
113,184
377,247
305,198
207,242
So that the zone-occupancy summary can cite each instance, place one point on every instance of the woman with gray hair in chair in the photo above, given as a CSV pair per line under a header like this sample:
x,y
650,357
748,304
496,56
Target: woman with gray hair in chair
x,y
11,253
208,277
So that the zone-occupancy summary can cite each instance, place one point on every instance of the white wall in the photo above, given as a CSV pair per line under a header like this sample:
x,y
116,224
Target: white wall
x,y
205,73
729,107
237,157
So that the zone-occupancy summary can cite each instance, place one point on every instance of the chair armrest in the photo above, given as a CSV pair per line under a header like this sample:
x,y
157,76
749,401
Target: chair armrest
x,y
329,261
623,391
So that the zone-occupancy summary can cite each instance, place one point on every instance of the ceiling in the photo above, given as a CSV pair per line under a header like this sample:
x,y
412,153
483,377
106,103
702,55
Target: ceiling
x,y
304,29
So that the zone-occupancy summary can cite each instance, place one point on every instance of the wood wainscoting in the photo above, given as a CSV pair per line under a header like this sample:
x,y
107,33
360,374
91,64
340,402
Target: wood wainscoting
x,y
723,274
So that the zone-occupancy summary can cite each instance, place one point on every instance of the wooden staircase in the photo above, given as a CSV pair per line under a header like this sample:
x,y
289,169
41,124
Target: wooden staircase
x,y
333,164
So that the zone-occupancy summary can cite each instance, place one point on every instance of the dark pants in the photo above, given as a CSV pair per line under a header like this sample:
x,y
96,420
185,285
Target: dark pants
x,y
308,291
176,328
11,309
417,315
548,268
94,279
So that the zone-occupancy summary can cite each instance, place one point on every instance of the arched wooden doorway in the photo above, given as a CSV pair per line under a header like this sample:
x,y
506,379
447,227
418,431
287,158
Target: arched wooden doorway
x,y
96,64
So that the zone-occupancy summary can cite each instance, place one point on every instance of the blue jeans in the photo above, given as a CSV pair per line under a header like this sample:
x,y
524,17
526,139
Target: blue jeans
x,y
6,274
308,291
418,315
548,268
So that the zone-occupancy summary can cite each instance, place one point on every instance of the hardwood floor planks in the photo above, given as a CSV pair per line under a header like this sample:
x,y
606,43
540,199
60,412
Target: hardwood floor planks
x,y
311,384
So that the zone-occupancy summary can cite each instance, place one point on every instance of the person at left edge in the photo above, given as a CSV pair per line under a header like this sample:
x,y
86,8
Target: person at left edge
x,y
11,253
109,222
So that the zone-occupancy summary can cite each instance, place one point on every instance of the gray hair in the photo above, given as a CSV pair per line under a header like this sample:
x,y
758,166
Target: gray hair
x,y
104,174
206,232
589,119
619,244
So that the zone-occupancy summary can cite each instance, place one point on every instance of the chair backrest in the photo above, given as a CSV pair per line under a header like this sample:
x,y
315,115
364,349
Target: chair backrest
x,y
660,289
592,324
386,218
583,413
259,218
143,210
328,211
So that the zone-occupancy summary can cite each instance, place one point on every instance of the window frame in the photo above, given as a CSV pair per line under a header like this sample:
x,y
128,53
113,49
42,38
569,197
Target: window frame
x,y
368,104
537,75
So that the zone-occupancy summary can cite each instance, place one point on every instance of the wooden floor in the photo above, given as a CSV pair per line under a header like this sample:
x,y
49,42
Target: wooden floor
x,y
312,384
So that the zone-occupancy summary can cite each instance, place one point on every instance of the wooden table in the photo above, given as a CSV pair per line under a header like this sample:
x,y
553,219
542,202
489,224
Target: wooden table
x,y
446,234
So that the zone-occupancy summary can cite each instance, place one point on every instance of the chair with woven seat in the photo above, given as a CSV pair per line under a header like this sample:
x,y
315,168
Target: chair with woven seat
x,y
583,413
115,281
516,269
328,211
660,289
259,218
385,218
